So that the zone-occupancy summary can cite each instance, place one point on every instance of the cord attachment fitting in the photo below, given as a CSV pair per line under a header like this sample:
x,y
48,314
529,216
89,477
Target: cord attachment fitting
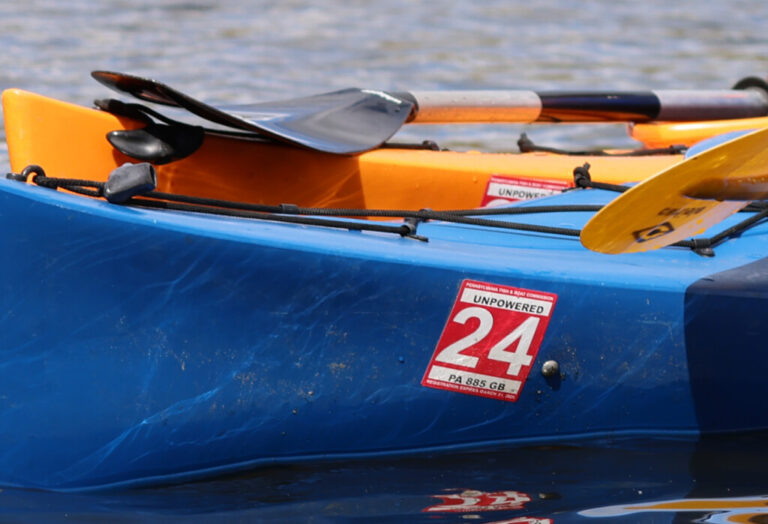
x,y
32,169
581,176
411,225
128,181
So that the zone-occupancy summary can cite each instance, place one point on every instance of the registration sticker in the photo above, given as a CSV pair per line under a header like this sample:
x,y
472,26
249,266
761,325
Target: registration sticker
x,y
504,190
490,341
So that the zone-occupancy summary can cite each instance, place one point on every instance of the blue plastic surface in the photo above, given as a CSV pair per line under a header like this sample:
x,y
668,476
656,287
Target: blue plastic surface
x,y
709,143
141,346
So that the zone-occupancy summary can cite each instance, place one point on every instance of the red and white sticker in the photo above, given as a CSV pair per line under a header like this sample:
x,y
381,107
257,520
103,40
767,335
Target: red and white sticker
x,y
503,189
490,341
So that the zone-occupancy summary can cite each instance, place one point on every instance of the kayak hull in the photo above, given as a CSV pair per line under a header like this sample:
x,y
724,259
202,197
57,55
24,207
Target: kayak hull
x,y
144,346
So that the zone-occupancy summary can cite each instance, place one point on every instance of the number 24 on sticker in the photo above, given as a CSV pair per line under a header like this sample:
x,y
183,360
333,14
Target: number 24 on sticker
x,y
517,358
490,341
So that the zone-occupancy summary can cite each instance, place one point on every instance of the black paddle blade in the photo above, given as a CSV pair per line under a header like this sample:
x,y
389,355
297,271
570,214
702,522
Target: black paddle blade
x,y
173,116
350,121
142,88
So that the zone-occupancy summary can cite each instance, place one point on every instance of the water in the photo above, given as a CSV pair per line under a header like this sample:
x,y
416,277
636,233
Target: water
x,y
238,51
599,482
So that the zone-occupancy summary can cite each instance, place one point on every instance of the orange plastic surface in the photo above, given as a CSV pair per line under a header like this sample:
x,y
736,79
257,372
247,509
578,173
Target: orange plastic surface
x,y
689,133
70,141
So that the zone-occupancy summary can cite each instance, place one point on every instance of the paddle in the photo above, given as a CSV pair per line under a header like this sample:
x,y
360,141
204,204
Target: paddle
x,y
344,122
683,200
357,120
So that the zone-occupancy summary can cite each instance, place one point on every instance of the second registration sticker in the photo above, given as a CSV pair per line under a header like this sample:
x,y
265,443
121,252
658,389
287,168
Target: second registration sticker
x,y
490,341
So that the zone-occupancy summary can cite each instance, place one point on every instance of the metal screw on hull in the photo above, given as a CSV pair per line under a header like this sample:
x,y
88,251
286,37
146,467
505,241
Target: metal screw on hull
x,y
550,368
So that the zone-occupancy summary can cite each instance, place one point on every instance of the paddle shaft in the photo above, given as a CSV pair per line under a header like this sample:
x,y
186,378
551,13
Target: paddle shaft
x,y
443,107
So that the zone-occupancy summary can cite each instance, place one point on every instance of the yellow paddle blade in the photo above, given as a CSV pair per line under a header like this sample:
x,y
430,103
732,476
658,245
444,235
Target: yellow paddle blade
x,y
684,200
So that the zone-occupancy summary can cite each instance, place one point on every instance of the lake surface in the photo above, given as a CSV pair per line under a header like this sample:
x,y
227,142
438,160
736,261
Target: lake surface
x,y
237,51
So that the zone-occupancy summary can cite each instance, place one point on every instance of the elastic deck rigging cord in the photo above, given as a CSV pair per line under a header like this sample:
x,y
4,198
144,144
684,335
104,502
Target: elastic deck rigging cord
x,y
342,218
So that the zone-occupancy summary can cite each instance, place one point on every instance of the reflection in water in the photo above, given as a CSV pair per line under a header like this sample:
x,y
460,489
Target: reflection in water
x,y
620,481
736,509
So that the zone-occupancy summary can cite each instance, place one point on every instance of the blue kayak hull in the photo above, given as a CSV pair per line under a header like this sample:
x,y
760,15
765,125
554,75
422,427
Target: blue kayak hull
x,y
141,346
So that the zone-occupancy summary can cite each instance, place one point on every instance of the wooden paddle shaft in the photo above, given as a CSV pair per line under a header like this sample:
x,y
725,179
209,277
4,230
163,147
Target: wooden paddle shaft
x,y
442,107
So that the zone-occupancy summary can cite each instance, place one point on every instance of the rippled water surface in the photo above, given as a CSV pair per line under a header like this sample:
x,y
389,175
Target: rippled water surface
x,y
237,51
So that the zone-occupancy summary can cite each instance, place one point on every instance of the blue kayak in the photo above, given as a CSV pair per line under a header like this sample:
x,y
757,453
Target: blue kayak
x,y
149,344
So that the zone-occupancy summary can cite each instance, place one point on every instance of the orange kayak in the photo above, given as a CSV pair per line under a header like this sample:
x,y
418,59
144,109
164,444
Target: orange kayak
x,y
69,141
664,134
